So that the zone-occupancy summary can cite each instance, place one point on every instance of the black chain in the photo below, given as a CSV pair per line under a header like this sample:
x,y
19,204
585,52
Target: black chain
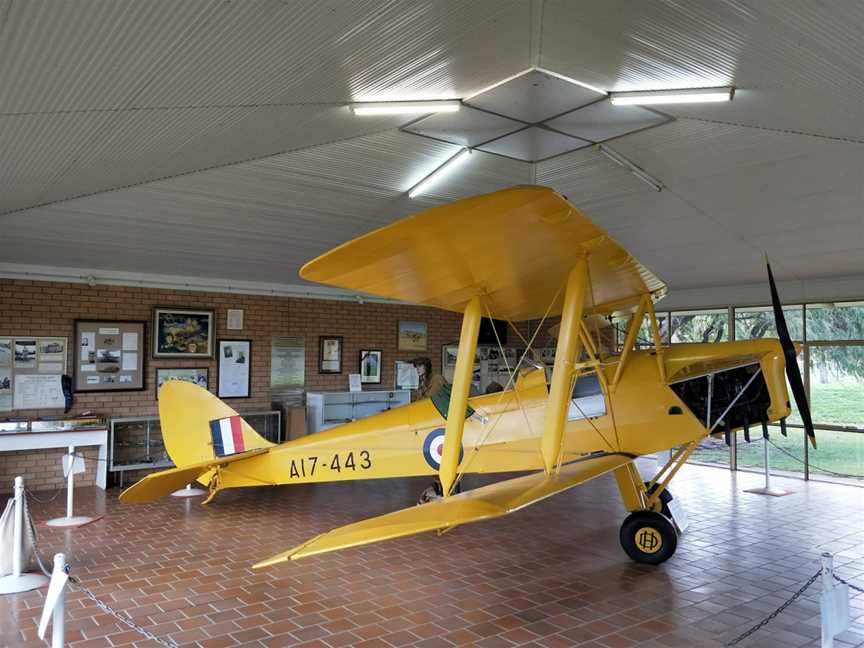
x,y
812,465
75,583
775,613
848,584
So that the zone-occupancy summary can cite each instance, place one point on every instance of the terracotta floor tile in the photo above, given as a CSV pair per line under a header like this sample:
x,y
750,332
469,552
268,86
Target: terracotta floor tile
x,y
549,576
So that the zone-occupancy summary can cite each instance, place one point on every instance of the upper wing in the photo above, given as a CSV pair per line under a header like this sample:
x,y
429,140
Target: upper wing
x,y
481,503
516,247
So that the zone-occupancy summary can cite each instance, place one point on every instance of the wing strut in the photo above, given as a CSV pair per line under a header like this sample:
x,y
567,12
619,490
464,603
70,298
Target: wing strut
x,y
462,374
565,357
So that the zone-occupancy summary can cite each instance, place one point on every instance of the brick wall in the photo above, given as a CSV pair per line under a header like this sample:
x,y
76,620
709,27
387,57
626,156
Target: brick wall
x,y
49,309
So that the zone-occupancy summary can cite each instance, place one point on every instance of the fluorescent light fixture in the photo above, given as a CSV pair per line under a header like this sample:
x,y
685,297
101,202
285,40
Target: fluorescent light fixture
x,y
694,95
405,107
443,170
633,168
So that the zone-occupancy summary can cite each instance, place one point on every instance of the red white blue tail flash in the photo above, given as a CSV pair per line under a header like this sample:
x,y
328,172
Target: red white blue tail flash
x,y
227,436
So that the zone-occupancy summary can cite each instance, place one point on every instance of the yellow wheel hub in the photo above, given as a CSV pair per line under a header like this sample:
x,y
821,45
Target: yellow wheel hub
x,y
648,540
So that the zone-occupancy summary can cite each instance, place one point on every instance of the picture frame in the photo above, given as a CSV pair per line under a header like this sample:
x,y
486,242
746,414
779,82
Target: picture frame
x,y
412,336
370,366
330,354
120,367
182,332
195,375
234,368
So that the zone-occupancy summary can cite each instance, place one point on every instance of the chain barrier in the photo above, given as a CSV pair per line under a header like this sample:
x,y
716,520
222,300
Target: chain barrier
x,y
789,602
775,613
75,583
812,465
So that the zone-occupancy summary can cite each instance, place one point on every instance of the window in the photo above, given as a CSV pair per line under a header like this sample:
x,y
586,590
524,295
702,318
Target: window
x,y
756,323
644,339
587,400
700,326
840,321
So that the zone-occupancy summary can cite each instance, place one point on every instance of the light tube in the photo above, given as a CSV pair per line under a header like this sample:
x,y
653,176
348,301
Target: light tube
x,y
405,108
633,168
443,170
695,95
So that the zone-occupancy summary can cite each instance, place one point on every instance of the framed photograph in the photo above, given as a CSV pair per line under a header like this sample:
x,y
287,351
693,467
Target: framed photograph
x,y
370,366
235,361
330,354
182,333
197,376
109,355
413,336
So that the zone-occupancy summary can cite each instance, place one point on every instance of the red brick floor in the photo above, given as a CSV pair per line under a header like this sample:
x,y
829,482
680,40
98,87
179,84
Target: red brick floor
x,y
551,575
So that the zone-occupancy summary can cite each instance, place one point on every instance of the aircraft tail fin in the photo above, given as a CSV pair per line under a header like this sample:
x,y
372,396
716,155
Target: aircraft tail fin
x,y
198,427
484,503
200,432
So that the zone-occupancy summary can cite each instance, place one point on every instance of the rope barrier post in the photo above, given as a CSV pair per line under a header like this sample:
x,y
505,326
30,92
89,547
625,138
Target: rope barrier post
x,y
70,520
833,604
19,581
767,490
188,492
58,621
54,608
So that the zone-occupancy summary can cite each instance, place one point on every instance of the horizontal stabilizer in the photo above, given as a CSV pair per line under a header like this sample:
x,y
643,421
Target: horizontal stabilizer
x,y
165,482
482,503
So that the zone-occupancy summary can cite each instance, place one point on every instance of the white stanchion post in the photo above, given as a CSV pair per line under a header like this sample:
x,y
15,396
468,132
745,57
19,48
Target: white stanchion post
x,y
53,609
19,581
58,621
70,520
833,604
188,492
767,490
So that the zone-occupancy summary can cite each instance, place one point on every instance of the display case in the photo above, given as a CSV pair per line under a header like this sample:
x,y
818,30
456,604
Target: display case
x,y
136,442
329,409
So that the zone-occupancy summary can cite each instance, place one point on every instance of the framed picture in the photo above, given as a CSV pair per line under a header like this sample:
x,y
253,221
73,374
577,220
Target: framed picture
x,y
235,361
330,354
370,366
182,333
413,336
109,356
196,375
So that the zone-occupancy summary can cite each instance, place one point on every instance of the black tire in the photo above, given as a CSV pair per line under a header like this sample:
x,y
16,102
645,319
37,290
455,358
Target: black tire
x,y
665,498
435,491
648,537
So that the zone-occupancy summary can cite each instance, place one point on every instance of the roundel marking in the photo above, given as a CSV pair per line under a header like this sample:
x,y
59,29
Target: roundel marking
x,y
433,448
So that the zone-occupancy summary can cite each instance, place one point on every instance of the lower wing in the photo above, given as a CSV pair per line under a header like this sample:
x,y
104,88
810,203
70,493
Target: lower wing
x,y
484,503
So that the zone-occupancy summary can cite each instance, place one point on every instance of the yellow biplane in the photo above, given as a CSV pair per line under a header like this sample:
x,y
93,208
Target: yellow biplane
x,y
538,257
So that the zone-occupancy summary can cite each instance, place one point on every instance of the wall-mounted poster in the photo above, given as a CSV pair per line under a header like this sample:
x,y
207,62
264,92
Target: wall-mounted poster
x,y
30,372
235,360
370,366
330,354
413,336
287,364
182,333
25,353
109,355
196,376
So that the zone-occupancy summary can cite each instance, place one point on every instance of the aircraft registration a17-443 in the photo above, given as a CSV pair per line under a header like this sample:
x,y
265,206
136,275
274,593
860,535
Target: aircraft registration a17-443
x,y
539,257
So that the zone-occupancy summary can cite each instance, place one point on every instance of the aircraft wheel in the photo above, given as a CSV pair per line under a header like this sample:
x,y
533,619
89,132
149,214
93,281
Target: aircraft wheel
x,y
435,491
648,537
662,505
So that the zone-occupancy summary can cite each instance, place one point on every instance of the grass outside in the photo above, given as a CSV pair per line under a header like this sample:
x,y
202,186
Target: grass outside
x,y
839,452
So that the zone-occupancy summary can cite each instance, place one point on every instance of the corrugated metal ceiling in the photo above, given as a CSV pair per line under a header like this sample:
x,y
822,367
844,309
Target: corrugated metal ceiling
x,y
211,138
